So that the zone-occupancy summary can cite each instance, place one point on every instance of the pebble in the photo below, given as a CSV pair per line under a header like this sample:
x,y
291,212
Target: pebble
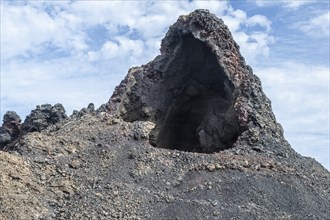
x,y
211,167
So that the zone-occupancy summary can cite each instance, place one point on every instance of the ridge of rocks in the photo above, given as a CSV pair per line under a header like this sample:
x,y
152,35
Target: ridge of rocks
x,y
41,118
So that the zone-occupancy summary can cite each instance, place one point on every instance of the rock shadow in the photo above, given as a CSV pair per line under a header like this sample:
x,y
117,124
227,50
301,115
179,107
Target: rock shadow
x,y
200,116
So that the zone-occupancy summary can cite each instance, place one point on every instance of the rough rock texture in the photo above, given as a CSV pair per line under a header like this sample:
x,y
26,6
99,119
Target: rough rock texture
x,y
199,92
89,110
10,129
39,119
189,135
44,116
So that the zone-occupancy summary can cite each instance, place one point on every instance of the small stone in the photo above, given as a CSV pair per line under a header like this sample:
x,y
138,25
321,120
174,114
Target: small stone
x,y
246,163
211,167
142,129
218,166
115,121
43,177
99,195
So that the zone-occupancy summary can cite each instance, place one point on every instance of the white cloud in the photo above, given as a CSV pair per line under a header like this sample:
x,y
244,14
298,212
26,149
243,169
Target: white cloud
x,y
300,97
25,30
316,27
235,19
261,21
293,4
253,43
20,28
125,49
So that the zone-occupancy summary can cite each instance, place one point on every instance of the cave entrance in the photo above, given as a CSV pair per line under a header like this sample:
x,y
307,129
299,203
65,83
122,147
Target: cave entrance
x,y
200,116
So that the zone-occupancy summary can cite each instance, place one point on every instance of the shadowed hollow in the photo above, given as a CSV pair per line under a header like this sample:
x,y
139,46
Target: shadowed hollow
x,y
201,117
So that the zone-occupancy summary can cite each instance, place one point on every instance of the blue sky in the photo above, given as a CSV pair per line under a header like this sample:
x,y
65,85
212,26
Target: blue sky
x,y
76,52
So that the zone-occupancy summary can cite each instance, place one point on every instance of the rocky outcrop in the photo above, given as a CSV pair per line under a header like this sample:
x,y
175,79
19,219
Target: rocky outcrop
x,y
10,129
44,116
189,135
199,92
84,111
39,119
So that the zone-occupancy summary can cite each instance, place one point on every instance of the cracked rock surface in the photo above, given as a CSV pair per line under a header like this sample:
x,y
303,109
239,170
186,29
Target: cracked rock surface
x,y
189,135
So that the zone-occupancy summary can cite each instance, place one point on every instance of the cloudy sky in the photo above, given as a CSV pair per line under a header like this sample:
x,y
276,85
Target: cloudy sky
x,y
76,52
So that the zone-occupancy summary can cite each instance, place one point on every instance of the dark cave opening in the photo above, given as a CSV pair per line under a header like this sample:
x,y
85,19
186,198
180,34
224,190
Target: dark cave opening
x,y
200,116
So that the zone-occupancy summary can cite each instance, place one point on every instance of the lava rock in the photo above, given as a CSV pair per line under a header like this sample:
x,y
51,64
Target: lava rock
x,y
199,92
44,116
102,108
84,111
5,137
91,107
11,116
10,129
141,129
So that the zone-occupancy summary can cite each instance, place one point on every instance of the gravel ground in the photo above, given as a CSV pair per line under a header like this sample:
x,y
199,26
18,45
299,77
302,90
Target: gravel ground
x,y
98,167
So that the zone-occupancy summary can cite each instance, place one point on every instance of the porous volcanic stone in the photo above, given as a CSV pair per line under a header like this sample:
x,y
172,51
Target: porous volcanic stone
x,y
10,129
199,92
44,116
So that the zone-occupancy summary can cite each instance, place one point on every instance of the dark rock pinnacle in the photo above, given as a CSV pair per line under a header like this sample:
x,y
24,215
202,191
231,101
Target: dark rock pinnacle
x,y
10,129
199,92
39,119
44,116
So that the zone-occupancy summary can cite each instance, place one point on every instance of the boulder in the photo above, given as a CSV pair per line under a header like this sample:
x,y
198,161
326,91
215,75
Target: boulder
x,y
199,92
44,116
10,129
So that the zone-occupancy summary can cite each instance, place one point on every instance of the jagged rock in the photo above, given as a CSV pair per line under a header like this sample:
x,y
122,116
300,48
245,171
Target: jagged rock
x,y
10,117
89,110
10,129
102,108
74,114
228,158
44,116
5,138
199,92
142,129
91,107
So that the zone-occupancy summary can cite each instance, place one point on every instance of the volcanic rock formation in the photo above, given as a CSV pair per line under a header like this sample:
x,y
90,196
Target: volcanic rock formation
x,y
39,119
199,92
10,129
189,135
44,116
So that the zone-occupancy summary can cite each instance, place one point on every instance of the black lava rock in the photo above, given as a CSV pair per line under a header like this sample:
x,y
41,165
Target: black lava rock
x,y
10,129
44,116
